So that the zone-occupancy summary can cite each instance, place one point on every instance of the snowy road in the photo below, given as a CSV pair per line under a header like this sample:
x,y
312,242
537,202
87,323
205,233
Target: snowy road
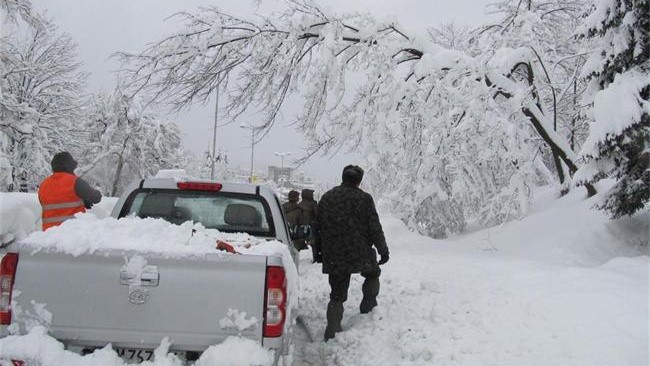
x,y
442,304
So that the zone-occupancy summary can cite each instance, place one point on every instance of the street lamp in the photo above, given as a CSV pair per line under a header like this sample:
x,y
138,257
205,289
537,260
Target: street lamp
x,y
282,155
252,129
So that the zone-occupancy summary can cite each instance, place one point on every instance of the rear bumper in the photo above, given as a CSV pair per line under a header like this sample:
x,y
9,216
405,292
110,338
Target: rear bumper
x,y
145,340
270,343
273,343
133,340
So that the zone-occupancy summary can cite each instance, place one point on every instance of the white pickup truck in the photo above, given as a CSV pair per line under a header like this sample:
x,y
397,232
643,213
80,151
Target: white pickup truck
x,y
94,301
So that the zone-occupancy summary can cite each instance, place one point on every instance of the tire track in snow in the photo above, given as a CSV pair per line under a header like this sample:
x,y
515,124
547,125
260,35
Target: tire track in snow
x,y
435,307
308,343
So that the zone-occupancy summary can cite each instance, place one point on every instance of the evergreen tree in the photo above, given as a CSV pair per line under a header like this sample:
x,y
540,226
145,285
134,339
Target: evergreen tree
x,y
619,74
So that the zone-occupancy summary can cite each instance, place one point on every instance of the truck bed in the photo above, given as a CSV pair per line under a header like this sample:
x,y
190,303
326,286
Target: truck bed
x,y
193,299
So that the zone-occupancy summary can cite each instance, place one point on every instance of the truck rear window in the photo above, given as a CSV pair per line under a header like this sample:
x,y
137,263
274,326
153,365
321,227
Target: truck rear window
x,y
229,212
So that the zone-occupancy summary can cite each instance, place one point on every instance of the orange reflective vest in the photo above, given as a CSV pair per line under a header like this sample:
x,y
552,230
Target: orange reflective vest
x,y
58,198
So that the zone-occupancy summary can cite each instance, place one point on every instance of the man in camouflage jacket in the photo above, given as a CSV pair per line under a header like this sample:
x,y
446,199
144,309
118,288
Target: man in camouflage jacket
x,y
348,228
309,209
293,215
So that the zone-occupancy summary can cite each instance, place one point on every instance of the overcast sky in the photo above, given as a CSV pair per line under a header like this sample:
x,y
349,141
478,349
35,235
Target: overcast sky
x,y
102,27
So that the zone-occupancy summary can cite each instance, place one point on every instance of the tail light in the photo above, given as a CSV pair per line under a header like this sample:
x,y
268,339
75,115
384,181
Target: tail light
x,y
275,301
7,276
199,186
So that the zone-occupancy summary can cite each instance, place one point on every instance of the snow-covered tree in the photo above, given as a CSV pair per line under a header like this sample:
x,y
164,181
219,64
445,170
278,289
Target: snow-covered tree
x,y
447,136
123,142
41,87
452,36
14,10
619,75
42,112
200,166
543,31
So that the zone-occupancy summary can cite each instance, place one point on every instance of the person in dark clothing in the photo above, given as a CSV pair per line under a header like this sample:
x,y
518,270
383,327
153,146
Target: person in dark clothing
x,y
308,205
292,210
309,210
348,228
63,194
293,215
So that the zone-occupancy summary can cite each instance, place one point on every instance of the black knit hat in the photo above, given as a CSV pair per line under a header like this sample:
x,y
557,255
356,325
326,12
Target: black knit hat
x,y
63,162
307,193
352,174
294,196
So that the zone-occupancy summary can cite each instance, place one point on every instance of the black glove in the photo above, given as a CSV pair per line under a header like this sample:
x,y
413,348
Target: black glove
x,y
306,231
383,258
318,257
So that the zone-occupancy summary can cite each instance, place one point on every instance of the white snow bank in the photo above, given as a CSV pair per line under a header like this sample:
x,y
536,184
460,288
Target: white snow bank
x,y
564,230
235,352
43,350
20,214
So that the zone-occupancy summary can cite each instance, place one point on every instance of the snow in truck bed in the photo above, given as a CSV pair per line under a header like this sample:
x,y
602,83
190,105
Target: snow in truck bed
x,y
87,233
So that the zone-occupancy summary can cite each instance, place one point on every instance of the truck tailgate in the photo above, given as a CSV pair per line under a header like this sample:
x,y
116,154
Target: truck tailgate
x,y
196,301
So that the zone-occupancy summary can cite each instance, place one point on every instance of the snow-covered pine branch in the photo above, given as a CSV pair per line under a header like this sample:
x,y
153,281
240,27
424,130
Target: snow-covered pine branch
x,y
618,72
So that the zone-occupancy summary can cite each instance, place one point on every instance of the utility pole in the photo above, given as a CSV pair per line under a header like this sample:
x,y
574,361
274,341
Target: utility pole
x,y
250,179
252,129
214,133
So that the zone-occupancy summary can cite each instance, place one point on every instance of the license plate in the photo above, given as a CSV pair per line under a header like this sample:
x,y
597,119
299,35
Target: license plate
x,y
135,355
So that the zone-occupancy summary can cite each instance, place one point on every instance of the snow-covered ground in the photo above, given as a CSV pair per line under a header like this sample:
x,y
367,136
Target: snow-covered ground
x,y
563,286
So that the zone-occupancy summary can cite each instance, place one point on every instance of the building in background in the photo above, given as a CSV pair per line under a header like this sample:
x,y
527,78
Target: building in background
x,y
280,175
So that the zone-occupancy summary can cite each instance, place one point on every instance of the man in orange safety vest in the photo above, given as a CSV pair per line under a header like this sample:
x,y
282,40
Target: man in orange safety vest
x,y
63,194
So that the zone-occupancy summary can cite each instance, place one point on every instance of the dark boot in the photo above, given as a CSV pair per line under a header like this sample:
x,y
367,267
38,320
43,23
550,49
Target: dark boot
x,y
334,317
370,291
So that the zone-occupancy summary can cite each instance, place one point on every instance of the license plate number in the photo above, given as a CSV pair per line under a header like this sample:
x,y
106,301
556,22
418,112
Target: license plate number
x,y
135,355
